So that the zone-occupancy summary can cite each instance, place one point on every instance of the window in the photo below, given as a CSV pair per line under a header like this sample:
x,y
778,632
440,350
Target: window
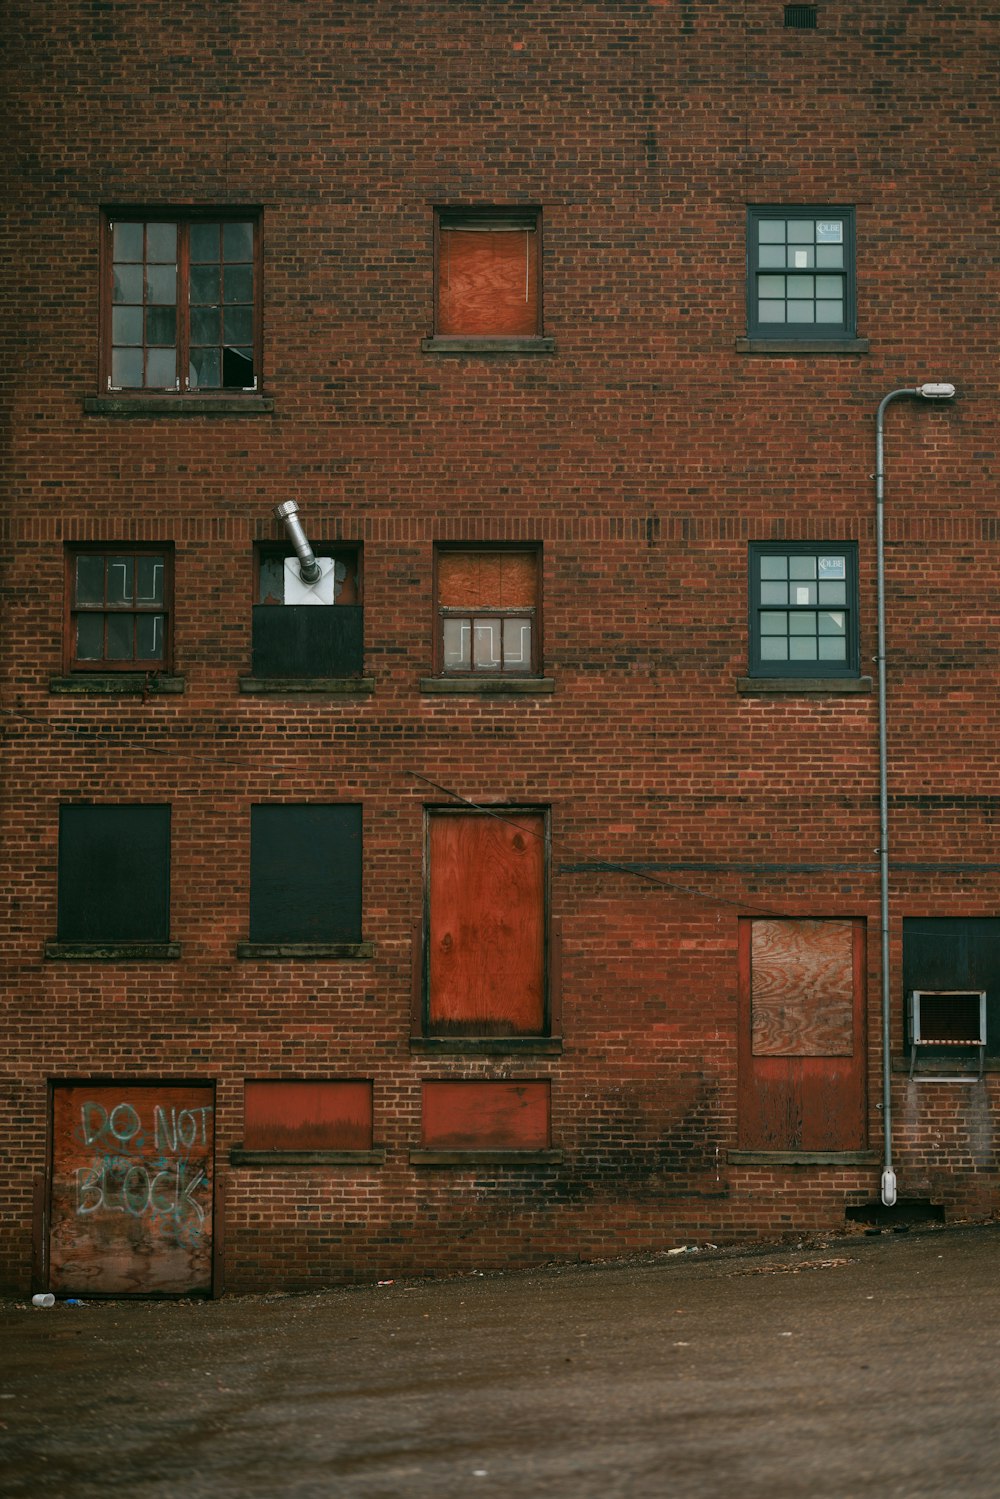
x,y
485,1115
305,875
803,609
488,272
114,874
801,1035
296,632
800,273
951,961
487,612
119,608
182,302
308,1116
486,916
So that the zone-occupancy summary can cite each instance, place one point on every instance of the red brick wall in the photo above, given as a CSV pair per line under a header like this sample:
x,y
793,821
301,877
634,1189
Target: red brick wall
x,y
643,454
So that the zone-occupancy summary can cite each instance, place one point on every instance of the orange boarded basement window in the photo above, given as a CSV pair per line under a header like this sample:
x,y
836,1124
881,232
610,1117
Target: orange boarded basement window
x,y
308,1115
486,924
488,609
486,1115
487,273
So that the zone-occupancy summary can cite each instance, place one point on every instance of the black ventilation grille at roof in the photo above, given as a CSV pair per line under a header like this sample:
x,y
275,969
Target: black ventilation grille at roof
x,y
802,16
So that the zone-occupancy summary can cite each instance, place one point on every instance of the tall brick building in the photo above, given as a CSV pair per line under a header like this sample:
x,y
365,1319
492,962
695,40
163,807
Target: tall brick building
x,y
487,864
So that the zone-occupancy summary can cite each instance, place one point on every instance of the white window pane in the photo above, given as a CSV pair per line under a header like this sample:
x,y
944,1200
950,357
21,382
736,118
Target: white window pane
x,y
802,624
802,648
486,644
774,593
126,369
800,312
771,312
774,648
829,312
832,624
457,645
771,231
773,623
774,566
517,644
830,257
801,231
832,649
770,286
771,257
126,326
161,368
833,593
801,286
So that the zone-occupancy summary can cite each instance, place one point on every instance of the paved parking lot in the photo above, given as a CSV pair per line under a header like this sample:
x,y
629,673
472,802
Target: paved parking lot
x,y
848,1367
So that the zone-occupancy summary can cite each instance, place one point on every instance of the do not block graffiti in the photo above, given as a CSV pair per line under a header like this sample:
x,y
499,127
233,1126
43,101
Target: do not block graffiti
x,y
142,1162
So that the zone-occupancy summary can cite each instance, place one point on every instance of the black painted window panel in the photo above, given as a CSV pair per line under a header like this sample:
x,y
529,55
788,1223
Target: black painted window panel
x,y
114,873
303,640
305,872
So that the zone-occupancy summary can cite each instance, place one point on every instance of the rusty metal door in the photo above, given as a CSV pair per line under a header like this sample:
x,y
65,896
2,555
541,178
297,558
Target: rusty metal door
x,y
802,1035
131,1189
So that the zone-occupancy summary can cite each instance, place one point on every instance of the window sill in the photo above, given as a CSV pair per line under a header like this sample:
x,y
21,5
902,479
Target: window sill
x,y
455,343
963,1067
310,951
178,405
798,686
485,1157
802,346
319,686
240,1157
113,952
488,686
802,1157
532,1046
117,684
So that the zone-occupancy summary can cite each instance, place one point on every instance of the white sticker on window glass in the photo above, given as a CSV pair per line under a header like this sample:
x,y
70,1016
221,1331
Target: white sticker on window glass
x,y
832,567
830,232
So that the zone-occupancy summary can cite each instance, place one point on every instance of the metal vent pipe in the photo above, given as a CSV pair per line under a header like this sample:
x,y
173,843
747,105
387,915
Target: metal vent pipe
x,y
309,569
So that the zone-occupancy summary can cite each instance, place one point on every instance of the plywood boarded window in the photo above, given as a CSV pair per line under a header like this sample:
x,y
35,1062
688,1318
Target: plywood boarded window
x,y
322,1115
487,273
486,919
478,1115
487,611
114,873
802,1055
305,873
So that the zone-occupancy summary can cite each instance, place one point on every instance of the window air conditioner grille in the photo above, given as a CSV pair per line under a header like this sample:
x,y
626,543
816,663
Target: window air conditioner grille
x,y
802,16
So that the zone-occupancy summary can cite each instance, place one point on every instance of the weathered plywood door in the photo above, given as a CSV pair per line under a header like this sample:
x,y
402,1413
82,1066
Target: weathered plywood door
x,y
131,1186
802,1029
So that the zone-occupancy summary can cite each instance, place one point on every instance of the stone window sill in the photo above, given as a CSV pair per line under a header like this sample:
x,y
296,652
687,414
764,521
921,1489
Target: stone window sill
x,y
487,686
802,1157
318,686
802,346
280,1158
485,1157
309,951
114,952
117,684
957,1066
798,686
454,343
533,1046
127,406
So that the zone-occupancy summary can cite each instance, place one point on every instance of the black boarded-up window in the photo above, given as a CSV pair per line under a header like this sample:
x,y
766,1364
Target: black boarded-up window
x,y
114,873
305,873
296,632
955,953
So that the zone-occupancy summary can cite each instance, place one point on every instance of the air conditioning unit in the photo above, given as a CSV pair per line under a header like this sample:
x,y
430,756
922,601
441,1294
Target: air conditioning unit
x,y
947,1017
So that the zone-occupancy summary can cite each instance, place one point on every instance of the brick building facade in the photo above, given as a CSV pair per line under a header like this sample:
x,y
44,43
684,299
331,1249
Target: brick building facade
x,y
511,891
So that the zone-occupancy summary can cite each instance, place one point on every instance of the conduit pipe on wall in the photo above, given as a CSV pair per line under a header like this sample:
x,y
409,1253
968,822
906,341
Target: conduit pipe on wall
x,y
309,569
929,393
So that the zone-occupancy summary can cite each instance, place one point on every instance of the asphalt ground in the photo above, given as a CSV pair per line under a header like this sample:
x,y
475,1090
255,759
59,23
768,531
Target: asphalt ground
x,y
844,1367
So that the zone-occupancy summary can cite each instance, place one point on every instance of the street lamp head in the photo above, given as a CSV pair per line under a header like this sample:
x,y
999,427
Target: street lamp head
x,y
936,392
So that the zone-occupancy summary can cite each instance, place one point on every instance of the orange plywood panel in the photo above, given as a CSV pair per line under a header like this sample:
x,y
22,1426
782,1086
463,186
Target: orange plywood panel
x,y
131,1189
487,580
487,924
474,1115
334,1115
803,988
488,282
